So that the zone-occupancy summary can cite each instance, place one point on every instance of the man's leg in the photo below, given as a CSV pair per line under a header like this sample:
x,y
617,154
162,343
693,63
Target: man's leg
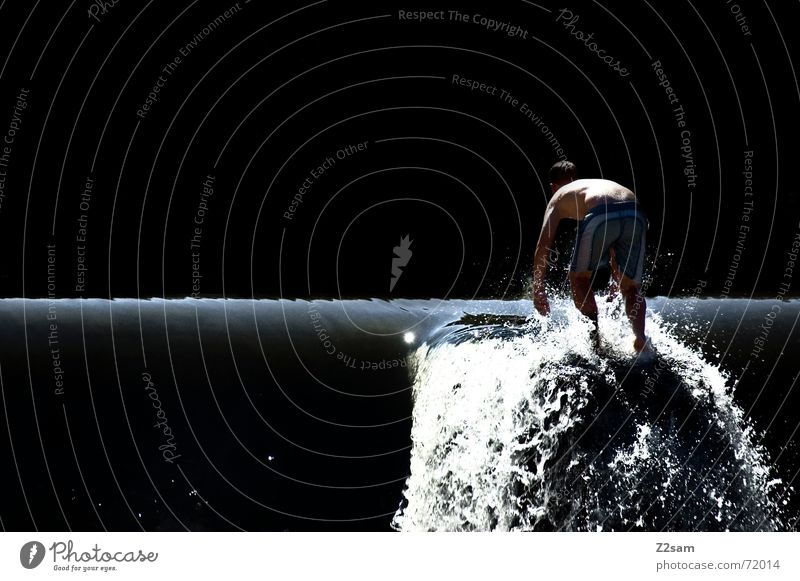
x,y
583,297
635,306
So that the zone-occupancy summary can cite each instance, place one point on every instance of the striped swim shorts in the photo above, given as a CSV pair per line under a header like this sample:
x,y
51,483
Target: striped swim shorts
x,y
617,225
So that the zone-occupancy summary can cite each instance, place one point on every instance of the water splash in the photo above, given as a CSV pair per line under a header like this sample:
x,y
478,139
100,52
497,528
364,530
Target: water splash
x,y
526,427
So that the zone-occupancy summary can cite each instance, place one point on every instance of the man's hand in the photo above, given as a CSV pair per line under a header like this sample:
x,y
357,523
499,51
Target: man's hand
x,y
540,300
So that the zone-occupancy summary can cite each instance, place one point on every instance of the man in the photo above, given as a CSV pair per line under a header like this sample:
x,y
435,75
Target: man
x,y
611,228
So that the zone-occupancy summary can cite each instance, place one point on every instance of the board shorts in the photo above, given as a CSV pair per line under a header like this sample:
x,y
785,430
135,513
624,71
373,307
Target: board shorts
x,y
617,225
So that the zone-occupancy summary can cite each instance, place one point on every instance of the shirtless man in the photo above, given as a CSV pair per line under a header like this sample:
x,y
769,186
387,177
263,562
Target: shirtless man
x,y
610,220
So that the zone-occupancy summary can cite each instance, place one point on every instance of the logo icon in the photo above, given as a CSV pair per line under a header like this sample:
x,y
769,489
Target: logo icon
x,y
31,554
402,256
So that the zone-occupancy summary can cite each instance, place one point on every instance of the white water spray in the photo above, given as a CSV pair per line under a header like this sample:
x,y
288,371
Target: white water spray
x,y
530,429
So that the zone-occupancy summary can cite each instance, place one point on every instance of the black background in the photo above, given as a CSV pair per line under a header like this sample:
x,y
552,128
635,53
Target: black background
x,y
277,88
260,103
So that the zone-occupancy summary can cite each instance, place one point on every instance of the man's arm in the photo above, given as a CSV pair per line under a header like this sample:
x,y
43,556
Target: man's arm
x,y
543,248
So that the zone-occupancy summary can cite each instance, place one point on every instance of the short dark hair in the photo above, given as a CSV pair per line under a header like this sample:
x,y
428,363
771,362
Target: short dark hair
x,y
562,171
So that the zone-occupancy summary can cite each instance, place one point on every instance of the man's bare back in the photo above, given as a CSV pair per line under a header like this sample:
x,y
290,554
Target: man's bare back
x,y
576,198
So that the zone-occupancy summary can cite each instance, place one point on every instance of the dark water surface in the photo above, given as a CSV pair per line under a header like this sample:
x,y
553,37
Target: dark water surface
x,y
275,414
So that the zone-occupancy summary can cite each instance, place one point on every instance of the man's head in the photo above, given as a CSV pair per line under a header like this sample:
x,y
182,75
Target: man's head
x,y
561,173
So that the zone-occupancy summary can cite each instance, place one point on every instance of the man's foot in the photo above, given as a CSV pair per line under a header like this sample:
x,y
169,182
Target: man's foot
x,y
594,338
642,345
